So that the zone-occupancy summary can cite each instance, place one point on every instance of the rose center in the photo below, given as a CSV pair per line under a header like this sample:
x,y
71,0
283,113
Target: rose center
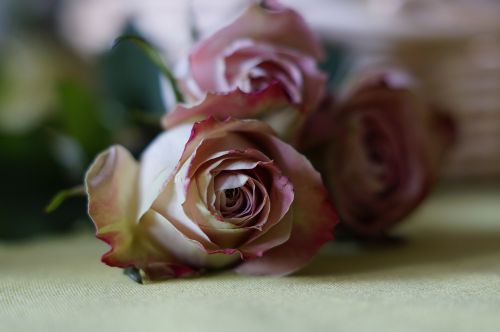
x,y
234,202
232,196
240,197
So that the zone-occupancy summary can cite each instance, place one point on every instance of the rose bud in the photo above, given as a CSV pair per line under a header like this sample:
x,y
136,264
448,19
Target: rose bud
x,y
383,152
208,196
269,47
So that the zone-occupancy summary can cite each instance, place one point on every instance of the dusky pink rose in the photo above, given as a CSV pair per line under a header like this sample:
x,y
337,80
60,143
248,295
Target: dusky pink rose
x,y
381,148
269,47
208,196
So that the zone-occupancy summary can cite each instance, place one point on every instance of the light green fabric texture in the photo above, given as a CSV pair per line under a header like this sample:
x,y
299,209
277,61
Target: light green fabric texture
x,y
444,275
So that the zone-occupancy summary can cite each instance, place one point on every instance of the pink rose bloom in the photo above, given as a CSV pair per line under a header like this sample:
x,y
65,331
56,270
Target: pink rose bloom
x,y
382,154
268,51
208,196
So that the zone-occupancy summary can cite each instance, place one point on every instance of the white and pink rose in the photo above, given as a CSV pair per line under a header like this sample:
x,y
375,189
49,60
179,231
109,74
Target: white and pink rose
x,y
208,196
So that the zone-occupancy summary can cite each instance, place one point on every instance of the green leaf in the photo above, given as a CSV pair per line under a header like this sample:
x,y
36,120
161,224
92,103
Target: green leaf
x,y
63,195
337,65
81,117
156,58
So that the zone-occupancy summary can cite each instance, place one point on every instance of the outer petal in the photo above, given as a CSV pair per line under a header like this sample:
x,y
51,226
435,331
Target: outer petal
x,y
212,128
111,184
317,127
313,216
269,23
277,235
314,84
162,190
159,162
179,247
173,252
233,104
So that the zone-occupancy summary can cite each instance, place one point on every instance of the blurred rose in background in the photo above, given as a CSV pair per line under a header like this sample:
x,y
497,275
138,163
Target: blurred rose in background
x,y
66,94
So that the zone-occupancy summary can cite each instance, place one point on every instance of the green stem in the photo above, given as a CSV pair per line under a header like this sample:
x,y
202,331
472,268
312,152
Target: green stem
x,y
156,58
63,195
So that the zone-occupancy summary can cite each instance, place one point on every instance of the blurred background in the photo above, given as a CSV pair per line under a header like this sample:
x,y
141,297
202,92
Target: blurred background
x,y
66,94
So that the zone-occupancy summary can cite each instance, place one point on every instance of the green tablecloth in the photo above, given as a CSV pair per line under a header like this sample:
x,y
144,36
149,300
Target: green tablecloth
x,y
442,275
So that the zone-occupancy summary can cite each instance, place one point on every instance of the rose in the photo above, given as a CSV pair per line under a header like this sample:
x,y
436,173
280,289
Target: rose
x,y
206,196
269,47
268,43
382,154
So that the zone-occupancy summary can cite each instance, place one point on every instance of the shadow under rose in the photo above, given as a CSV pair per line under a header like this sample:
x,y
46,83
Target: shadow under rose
x,y
428,246
456,231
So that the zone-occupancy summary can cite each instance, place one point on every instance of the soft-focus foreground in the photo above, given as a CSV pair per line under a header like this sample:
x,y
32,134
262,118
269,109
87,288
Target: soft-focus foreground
x,y
437,274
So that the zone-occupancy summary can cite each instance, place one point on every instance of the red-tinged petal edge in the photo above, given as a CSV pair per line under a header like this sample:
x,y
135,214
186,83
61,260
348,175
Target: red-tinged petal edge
x,y
111,184
112,189
235,104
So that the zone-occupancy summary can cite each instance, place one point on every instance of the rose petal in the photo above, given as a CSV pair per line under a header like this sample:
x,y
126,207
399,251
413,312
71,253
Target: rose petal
x,y
272,238
314,84
228,239
111,184
169,205
158,163
179,246
233,104
275,62
296,70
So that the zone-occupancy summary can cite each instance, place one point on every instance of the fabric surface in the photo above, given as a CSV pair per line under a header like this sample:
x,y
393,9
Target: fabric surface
x,y
441,273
